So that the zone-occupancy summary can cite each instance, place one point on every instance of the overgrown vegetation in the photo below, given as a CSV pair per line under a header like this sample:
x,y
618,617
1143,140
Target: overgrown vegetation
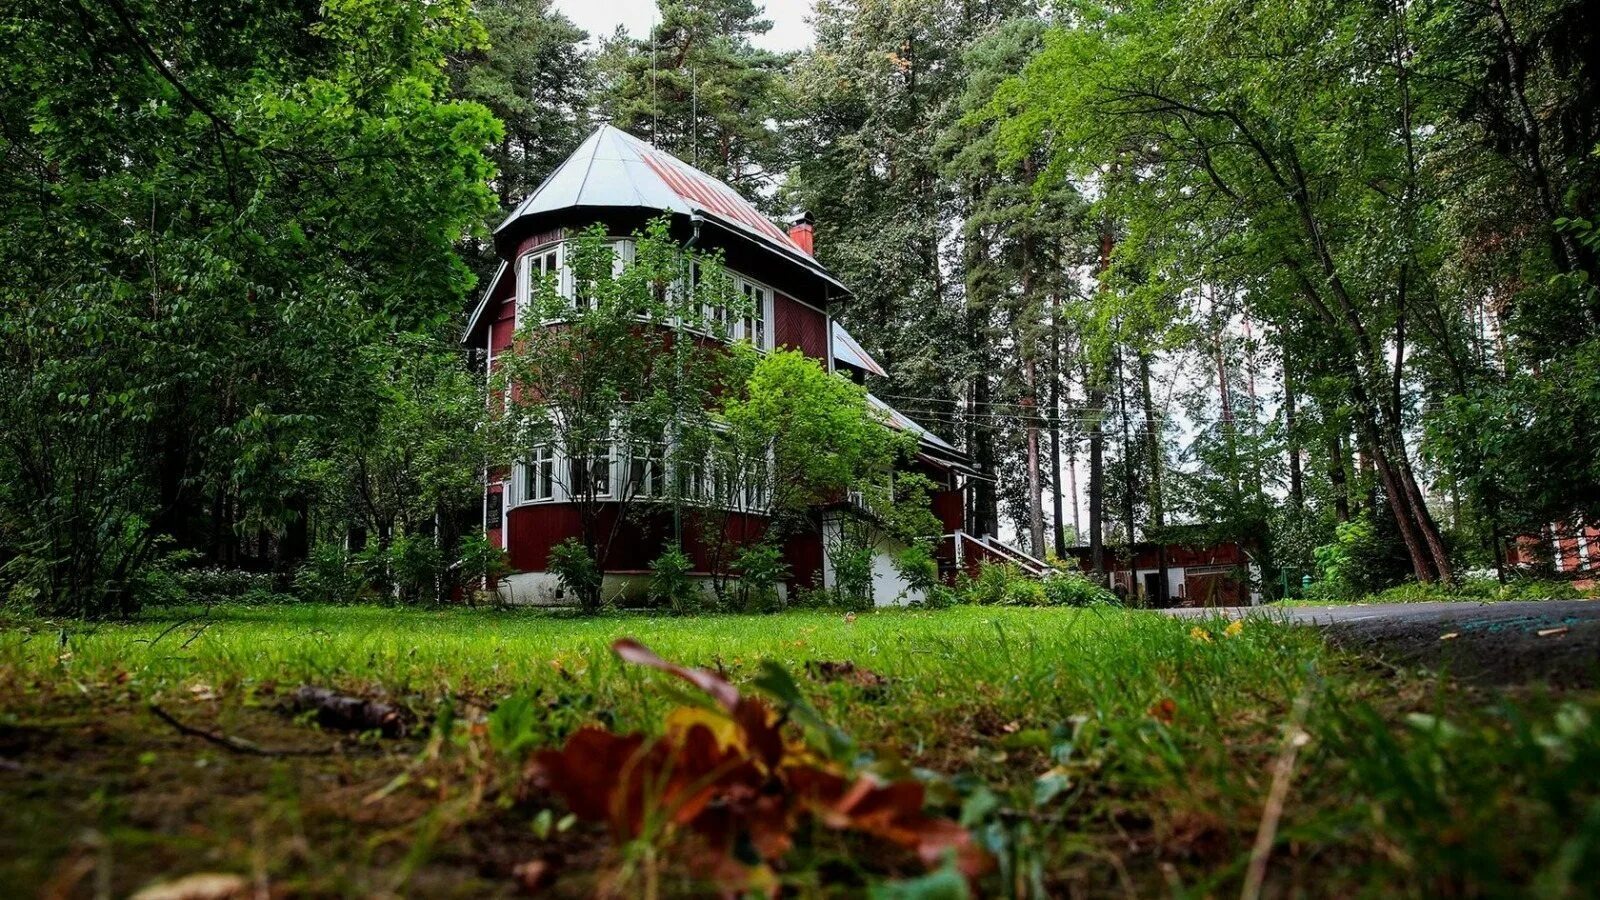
x,y
1087,751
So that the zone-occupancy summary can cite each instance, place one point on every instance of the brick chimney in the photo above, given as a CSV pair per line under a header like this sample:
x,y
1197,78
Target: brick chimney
x,y
803,233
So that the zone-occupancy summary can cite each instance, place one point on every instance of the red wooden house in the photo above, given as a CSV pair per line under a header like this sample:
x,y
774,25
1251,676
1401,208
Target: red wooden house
x,y
1568,549
621,182
1199,572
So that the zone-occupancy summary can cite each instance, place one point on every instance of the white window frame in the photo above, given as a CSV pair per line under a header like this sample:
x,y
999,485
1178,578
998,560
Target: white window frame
x,y
653,479
606,465
541,256
762,313
539,470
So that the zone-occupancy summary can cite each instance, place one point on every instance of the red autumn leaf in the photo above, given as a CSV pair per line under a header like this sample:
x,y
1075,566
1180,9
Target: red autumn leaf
x,y
733,782
586,771
717,687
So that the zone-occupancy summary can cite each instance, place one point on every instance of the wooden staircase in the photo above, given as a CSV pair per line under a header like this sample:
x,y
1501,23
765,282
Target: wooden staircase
x,y
971,550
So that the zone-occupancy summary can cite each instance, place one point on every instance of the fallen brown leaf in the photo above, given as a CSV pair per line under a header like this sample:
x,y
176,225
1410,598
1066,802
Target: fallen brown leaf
x,y
202,886
846,671
534,875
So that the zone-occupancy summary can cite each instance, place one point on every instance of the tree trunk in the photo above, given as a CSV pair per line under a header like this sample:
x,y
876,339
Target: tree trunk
x,y
1130,481
1055,435
1028,343
1336,476
1297,495
1097,478
1035,487
1157,511
983,513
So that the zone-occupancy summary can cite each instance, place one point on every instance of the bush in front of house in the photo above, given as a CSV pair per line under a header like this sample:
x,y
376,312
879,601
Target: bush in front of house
x,y
761,569
918,569
1072,589
1004,584
576,571
670,584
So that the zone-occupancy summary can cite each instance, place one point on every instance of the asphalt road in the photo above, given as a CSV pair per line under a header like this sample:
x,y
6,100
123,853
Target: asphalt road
x,y
1554,641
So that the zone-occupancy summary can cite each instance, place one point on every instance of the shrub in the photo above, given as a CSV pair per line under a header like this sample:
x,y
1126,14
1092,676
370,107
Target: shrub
x,y
576,571
919,569
414,564
218,583
852,574
1353,565
670,584
993,584
330,575
479,562
1024,591
761,568
1481,590
1070,589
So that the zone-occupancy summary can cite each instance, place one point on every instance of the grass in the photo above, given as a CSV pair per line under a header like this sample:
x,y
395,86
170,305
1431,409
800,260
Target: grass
x,y
1162,735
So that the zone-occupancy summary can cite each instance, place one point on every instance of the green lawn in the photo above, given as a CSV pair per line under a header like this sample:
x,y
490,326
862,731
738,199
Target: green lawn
x,y
1405,783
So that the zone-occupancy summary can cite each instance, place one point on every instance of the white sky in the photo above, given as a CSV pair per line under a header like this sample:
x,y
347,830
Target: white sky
x,y
790,30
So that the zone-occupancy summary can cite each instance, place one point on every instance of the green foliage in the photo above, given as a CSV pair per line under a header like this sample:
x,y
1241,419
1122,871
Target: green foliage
x,y
1479,590
671,584
1351,566
800,437
330,575
575,569
817,429
1004,584
1001,584
210,584
917,568
211,214
761,568
514,725
531,73
852,572
480,562
1071,589
697,88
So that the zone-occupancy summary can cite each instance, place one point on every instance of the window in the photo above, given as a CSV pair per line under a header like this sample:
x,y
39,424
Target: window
x,y
723,484
753,327
755,486
538,476
692,480
547,264
532,269
591,473
647,473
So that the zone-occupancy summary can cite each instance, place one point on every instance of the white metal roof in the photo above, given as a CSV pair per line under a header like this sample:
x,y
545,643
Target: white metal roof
x,y
612,168
902,422
847,351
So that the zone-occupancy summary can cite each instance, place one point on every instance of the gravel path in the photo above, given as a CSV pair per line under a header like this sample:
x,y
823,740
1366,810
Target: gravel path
x,y
1556,641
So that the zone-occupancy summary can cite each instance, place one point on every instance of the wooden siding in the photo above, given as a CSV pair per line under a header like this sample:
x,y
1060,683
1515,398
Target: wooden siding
x,y
639,539
803,553
799,327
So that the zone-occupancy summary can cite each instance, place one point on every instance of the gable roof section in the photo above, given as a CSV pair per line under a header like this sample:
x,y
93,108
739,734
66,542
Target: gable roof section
x,y
847,351
614,169
931,447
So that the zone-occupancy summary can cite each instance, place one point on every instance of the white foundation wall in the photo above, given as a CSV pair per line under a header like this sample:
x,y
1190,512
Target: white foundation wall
x,y
889,588
544,589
